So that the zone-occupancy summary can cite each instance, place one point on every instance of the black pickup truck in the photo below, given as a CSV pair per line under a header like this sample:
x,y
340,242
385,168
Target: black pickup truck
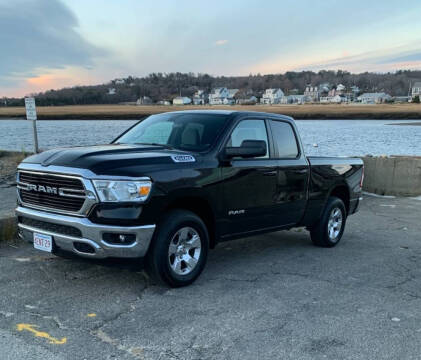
x,y
176,184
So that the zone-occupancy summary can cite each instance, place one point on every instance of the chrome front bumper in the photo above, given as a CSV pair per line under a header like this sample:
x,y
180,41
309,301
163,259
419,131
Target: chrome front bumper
x,y
91,235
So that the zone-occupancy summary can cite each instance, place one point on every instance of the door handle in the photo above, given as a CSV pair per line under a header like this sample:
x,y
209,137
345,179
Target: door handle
x,y
270,173
303,171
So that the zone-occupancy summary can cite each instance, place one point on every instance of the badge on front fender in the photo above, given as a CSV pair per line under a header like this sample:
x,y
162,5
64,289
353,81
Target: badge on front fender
x,y
183,158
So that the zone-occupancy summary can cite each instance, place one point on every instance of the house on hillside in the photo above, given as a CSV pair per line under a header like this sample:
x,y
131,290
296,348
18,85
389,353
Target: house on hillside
x,y
401,99
230,100
218,96
312,93
272,96
144,100
297,99
111,91
324,89
252,100
416,90
181,100
164,102
199,97
337,99
338,90
119,81
374,98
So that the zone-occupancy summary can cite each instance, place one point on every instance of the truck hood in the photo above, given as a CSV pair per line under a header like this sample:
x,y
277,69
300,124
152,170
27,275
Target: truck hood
x,y
114,159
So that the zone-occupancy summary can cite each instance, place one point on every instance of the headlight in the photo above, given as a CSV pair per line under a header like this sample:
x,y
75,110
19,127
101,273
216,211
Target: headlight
x,y
120,191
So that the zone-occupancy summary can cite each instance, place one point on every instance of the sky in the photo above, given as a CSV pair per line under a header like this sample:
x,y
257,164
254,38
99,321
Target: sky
x,y
50,44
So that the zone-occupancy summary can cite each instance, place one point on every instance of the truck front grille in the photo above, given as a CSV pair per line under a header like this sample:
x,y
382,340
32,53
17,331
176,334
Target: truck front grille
x,y
51,191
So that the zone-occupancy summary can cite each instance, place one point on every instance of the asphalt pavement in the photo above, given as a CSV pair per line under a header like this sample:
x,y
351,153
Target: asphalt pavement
x,y
267,297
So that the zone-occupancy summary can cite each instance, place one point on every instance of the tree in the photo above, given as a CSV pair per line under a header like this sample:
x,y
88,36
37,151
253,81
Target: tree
x,y
416,99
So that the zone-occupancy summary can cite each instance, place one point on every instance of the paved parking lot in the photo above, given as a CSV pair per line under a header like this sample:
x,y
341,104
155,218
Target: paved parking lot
x,y
268,297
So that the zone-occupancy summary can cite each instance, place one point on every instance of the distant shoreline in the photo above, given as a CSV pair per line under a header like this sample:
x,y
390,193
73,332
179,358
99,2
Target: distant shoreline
x,y
299,112
408,124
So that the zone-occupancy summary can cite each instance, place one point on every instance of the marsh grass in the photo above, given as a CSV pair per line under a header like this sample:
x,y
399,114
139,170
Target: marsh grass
x,y
307,111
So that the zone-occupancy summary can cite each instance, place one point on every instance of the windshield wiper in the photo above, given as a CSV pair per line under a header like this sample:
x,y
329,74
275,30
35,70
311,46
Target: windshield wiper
x,y
169,147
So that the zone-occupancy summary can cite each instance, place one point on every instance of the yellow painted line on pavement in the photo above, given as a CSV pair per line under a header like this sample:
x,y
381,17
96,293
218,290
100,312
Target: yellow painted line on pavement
x,y
41,334
91,315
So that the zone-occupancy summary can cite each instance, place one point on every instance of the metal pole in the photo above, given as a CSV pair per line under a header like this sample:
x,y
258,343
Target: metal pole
x,y
34,126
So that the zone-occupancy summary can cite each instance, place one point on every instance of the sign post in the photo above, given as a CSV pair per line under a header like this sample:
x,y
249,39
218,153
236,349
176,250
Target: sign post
x,y
31,114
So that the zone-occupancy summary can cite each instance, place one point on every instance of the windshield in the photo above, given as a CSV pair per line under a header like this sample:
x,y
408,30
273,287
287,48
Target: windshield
x,y
193,132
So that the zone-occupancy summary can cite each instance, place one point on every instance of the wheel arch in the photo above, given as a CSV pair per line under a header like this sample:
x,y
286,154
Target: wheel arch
x,y
199,206
342,192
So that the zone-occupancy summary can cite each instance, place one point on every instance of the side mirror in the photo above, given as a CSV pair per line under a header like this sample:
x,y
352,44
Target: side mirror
x,y
248,149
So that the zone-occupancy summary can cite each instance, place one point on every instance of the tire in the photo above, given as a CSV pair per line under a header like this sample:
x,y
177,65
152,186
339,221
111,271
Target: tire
x,y
179,249
330,228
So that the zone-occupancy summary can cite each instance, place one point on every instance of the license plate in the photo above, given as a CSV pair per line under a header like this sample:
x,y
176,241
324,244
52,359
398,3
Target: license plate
x,y
43,242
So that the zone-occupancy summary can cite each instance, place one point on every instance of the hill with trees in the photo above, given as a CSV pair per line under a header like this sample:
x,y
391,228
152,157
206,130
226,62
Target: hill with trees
x,y
166,86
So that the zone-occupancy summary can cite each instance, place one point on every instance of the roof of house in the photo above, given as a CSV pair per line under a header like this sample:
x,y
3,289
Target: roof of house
x,y
268,91
417,84
232,92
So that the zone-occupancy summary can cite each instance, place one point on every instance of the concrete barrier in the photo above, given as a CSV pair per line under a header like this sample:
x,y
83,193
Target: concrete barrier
x,y
393,175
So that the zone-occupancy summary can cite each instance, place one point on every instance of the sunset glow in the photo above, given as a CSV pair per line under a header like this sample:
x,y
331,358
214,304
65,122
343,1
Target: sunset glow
x,y
62,43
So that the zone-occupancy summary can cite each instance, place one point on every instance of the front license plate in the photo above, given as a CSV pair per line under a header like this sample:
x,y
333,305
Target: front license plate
x,y
43,242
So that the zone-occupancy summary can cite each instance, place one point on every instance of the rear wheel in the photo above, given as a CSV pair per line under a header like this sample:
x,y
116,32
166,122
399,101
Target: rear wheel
x,y
330,228
179,249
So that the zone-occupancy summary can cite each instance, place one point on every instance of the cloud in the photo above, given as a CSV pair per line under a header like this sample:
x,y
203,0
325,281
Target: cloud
x,y
36,35
221,42
401,57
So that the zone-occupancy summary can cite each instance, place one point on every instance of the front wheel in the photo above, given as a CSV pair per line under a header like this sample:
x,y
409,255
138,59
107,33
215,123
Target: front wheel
x,y
330,228
179,249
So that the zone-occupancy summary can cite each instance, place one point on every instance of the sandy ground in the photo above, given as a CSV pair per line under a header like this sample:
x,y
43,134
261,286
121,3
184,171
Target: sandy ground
x,y
308,111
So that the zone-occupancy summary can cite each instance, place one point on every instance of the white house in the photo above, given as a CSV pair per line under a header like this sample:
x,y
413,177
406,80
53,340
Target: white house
x,y
111,91
272,96
374,98
324,88
222,96
340,88
199,97
297,99
252,100
164,102
416,90
230,100
119,81
145,100
312,92
181,100
218,95
401,99
337,99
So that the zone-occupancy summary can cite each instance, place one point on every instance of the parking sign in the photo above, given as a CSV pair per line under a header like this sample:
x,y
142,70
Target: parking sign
x,y
31,114
31,111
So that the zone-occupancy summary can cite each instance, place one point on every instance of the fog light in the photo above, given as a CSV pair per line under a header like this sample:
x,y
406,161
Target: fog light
x,y
119,239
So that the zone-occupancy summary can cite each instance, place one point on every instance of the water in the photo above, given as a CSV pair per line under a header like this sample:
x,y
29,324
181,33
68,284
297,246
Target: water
x,y
333,137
